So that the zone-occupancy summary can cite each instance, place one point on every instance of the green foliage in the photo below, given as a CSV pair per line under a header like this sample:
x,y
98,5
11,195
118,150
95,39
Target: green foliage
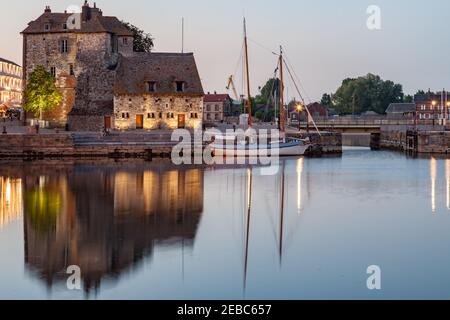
x,y
408,99
326,100
41,93
271,88
143,42
368,93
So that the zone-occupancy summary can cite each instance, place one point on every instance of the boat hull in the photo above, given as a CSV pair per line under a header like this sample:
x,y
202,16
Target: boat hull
x,y
282,150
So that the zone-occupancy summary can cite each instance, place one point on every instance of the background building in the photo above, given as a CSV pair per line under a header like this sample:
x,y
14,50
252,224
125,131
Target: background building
x,y
10,83
401,111
432,108
217,107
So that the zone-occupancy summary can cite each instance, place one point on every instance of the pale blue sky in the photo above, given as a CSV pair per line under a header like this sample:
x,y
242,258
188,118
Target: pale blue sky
x,y
326,40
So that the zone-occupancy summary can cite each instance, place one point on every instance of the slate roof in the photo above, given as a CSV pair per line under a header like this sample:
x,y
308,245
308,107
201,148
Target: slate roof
x,y
216,98
165,69
401,108
96,24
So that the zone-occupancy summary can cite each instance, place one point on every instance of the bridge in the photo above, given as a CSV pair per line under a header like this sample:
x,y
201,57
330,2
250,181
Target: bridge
x,y
352,125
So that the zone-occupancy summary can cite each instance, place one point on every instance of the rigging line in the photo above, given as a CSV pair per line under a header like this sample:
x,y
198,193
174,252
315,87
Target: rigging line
x,y
303,100
263,47
239,59
297,77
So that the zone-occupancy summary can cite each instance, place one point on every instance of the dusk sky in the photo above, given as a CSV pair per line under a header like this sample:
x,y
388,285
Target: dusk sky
x,y
326,41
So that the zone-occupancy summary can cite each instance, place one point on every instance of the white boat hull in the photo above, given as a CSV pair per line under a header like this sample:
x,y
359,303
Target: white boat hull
x,y
282,150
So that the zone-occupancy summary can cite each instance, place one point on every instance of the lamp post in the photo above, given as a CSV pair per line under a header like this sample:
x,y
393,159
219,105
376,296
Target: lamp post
x,y
433,105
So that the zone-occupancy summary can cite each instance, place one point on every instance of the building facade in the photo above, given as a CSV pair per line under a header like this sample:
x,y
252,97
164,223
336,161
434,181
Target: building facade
x,y
84,51
432,108
158,91
10,83
217,107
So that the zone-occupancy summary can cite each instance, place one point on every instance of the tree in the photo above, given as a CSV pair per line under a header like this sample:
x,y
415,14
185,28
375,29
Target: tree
x,y
41,93
269,90
408,99
326,100
368,93
143,42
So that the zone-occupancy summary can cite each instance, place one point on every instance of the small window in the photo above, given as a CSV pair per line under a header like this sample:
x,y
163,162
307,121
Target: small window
x,y
64,46
47,27
160,115
180,86
53,71
151,86
71,70
128,115
125,41
123,115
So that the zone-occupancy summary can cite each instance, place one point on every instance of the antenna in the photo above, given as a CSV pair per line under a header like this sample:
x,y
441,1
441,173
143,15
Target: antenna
x,y
182,34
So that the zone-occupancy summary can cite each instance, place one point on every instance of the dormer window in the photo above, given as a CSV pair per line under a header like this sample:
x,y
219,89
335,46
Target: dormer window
x,y
47,27
151,86
179,86
64,26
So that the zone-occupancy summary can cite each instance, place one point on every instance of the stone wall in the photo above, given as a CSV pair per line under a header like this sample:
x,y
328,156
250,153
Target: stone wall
x,y
159,111
86,123
90,90
424,142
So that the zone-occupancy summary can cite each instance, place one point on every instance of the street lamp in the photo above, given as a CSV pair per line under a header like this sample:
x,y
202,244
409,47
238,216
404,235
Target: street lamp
x,y
433,104
299,110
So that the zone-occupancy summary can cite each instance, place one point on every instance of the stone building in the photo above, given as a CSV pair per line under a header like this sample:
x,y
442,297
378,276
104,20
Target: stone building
x,y
217,107
86,52
158,91
10,83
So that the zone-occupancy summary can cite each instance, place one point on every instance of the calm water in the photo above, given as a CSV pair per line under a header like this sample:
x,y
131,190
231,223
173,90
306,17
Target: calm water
x,y
151,231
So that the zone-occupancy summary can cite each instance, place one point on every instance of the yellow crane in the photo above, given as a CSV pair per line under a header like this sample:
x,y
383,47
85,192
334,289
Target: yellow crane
x,y
233,87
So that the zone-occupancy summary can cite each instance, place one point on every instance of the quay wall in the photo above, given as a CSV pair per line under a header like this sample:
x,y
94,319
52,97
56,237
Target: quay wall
x,y
422,141
61,145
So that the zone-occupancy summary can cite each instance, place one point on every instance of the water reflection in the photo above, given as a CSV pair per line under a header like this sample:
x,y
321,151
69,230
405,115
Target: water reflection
x,y
10,200
433,174
107,220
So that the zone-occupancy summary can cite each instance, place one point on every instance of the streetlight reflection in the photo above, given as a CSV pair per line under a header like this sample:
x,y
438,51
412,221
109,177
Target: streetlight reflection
x,y
433,172
299,184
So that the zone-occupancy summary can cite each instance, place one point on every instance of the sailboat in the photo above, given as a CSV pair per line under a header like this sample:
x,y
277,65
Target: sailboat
x,y
250,147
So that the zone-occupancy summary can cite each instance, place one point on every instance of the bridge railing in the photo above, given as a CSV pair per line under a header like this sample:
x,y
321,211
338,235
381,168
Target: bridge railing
x,y
358,122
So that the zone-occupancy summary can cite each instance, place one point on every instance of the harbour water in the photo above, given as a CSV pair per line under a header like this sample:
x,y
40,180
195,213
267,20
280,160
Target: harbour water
x,y
150,230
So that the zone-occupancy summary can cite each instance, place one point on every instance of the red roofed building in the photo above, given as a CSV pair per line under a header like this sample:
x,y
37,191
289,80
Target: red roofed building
x,y
216,107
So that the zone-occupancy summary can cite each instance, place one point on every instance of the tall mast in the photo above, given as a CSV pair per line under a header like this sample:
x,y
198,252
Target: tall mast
x,y
283,125
249,104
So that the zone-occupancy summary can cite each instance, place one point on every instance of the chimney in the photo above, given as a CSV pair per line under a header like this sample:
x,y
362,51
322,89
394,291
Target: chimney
x,y
85,12
47,9
215,92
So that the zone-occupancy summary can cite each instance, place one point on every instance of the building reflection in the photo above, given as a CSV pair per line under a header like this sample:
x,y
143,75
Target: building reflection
x,y
10,200
107,221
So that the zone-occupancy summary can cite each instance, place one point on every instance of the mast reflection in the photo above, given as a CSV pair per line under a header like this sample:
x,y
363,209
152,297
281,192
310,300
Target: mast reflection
x,y
107,220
